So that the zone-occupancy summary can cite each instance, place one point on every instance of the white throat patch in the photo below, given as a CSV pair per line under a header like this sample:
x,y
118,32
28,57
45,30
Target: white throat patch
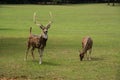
x,y
45,36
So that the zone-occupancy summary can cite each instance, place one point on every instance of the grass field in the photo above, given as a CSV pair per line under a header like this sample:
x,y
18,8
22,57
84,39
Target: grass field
x,y
61,60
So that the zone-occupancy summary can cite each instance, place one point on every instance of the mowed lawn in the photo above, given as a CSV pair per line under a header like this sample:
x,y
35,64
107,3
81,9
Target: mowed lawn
x,y
61,57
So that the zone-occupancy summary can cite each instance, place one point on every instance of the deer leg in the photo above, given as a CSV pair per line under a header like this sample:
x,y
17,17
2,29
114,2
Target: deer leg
x,y
90,54
32,50
26,54
85,56
41,54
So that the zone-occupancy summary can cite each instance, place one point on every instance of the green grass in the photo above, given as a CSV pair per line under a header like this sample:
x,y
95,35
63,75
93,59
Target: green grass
x,y
61,60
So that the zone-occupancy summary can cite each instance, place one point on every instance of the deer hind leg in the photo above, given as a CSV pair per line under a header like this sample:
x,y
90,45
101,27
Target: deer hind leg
x,y
90,54
32,50
41,54
26,54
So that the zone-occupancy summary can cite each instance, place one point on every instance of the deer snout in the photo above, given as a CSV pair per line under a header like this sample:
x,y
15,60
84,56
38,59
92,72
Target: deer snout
x,y
45,31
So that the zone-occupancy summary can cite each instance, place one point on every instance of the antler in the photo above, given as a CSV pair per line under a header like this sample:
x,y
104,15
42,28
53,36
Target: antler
x,y
50,13
34,19
38,24
51,21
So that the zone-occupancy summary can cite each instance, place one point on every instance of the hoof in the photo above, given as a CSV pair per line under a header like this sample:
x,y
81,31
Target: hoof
x,y
40,62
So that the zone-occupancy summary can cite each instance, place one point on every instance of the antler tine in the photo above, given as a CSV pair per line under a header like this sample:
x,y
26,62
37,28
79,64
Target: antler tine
x,y
34,19
51,21
50,13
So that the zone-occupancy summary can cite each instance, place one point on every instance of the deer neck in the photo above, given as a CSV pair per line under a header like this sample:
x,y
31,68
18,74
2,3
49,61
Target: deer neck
x,y
45,36
84,51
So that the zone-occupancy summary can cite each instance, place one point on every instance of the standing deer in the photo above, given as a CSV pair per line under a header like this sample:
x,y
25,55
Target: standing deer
x,y
38,41
87,43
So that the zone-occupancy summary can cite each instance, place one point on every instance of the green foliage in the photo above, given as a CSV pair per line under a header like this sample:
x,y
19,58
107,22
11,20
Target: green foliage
x,y
61,60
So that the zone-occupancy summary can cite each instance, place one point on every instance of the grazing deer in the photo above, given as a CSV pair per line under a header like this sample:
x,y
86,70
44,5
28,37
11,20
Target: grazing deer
x,y
87,43
38,41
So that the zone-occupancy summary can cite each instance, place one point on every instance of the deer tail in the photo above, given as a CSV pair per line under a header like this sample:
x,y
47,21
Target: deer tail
x,y
30,30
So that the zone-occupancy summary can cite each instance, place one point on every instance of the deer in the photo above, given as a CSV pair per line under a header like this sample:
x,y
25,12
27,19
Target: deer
x,y
37,41
87,44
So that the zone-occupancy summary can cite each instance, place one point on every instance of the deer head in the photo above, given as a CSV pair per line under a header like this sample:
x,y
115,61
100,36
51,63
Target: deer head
x,y
43,28
81,55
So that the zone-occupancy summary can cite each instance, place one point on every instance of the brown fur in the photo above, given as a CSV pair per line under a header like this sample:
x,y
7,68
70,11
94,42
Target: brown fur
x,y
87,43
37,41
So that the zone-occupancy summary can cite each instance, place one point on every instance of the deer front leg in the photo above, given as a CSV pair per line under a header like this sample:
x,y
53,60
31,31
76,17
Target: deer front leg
x,y
85,56
41,54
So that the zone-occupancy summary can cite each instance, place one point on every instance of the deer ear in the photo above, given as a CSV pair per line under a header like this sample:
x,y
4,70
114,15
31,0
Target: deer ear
x,y
49,24
41,26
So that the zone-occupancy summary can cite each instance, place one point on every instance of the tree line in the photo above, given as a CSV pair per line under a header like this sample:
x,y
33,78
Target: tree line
x,y
54,1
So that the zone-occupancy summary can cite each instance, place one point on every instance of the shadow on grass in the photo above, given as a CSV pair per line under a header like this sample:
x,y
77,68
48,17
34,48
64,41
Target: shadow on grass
x,y
96,59
45,63
50,63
